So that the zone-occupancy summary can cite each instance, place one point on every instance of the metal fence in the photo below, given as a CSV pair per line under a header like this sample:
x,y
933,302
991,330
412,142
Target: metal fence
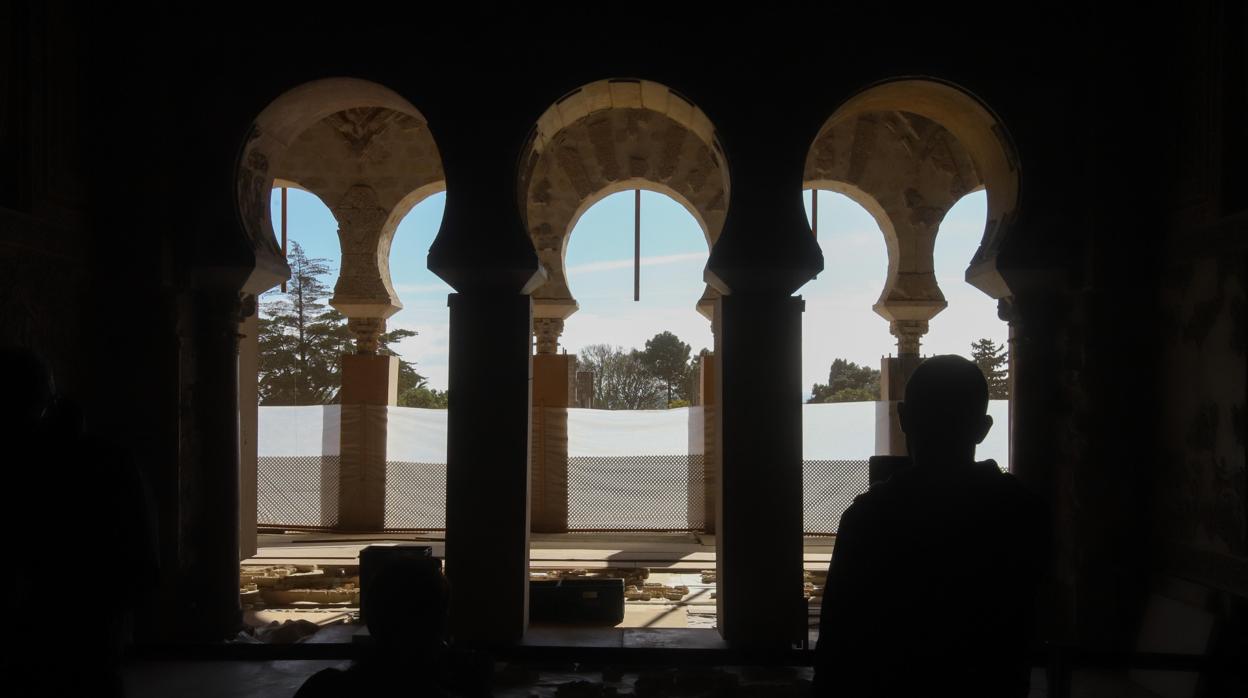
x,y
636,493
828,488
415,496
297,491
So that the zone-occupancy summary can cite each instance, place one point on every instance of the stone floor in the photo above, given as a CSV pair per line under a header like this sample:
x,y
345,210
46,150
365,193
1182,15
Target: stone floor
x,y
672,558
282,679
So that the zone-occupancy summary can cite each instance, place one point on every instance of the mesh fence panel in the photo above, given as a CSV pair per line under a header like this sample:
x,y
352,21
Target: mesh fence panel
x,y
624,493
297,491
828,488
415,496
634,493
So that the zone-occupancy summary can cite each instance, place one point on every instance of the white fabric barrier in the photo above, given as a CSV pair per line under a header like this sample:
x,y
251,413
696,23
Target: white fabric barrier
x,y
416,435
310,430
297,465
833,431
846,431
295,490
605,433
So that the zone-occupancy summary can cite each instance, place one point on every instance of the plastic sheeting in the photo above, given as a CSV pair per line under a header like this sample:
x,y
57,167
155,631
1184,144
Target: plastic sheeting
x,y
846,431
602,433
311,430
297,466
416,435
836,431
625,466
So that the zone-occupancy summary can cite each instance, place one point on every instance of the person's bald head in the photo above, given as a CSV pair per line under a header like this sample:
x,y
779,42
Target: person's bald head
x,y
944,414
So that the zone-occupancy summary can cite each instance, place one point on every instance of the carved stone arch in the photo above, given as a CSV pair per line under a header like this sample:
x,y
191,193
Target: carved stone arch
x,y
361,148
611,136
962,144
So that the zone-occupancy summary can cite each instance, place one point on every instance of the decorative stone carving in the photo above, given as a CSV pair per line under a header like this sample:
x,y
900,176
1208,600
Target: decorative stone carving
x,y
908,334
547,331
610,148
361,127
367,331
359,215
361,290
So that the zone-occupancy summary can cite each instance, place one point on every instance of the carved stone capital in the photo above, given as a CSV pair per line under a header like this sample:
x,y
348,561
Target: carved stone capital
x,y
547,331
367,331
908,334
360,217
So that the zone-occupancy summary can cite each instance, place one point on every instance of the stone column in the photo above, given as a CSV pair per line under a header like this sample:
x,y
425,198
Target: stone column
x,y
369,380
549,459
249,417
710,440
759,442
908,304
487,488
363,292
370,384
209,489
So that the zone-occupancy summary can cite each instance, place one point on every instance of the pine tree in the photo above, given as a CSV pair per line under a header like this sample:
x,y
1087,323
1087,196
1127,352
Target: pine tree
x,y
301,337
302,340
667,359
993,361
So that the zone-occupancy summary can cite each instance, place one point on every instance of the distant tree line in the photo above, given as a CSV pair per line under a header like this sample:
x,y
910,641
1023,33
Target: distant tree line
x,y
302,340
664,374
849,382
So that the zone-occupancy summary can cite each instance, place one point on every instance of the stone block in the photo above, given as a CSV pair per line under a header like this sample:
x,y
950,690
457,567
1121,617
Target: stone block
x,y
370,380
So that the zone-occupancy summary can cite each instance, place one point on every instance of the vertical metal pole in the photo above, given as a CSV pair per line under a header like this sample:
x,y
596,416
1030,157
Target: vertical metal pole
x,y
637,246
814,212
283,231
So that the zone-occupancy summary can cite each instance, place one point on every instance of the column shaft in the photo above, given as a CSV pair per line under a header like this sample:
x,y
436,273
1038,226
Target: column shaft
x,y
759,526
487,509
249,422
710,441
551,373
369,386
210,481
894,372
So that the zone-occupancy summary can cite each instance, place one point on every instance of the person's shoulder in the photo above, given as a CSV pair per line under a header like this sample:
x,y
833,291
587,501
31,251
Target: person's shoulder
x,y
1020,498
1008,482
868,504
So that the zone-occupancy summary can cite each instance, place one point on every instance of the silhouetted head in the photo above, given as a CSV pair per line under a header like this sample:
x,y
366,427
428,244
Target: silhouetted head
x,y
27,388
944,414
407,604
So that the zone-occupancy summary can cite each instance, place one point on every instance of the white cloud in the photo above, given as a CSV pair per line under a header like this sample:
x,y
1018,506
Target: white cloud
x,y
627,263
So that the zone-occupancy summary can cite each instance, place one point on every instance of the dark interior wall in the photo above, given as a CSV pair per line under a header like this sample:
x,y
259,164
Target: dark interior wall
x,y
1200,485
120,131
42,187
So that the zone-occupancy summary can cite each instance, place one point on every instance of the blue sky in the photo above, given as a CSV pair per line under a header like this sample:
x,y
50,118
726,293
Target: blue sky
x,y
838,321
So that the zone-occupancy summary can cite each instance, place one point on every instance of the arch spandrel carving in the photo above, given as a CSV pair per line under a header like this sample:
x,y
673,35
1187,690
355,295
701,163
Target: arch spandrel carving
x,y
608,137
907,171
973,129
367,153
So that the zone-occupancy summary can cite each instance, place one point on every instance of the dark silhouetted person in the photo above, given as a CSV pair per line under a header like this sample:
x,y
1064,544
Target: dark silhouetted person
x,y
407,621
90,555
931,590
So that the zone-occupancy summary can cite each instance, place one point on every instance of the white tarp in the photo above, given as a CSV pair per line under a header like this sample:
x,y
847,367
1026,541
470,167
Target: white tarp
x,y
601,433
416,435
846,431
311,430
837,431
